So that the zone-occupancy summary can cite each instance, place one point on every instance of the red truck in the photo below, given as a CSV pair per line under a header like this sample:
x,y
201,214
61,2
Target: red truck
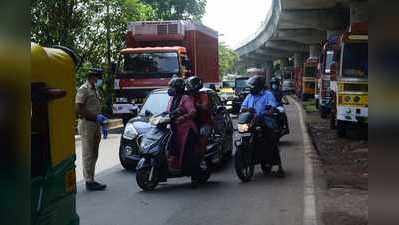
x,y
156,51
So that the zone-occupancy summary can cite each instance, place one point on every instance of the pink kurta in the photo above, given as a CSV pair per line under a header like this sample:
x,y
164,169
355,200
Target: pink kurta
x,y
182,129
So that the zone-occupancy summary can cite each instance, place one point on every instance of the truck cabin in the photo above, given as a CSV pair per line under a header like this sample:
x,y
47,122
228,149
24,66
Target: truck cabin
x,y
155,62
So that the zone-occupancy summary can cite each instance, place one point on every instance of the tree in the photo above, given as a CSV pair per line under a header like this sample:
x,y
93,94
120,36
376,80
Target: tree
x,y
228,60
178,9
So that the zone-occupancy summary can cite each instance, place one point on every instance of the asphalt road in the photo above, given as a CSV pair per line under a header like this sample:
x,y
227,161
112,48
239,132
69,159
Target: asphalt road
x,y
223,201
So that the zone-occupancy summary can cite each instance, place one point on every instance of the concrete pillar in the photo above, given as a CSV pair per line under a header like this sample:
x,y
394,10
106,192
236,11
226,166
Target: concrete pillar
x,y
314,51
358,11
299,60
268,70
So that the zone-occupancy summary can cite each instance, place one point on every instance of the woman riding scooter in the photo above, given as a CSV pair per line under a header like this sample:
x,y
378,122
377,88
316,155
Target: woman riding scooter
x,y
185,154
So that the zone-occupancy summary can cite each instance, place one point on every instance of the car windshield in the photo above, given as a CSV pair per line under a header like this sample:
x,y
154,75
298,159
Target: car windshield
x,y
151,63
241,83
355,60
310,71
155,104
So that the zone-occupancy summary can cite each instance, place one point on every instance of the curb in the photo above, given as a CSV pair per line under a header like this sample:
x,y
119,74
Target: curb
x,y
309,213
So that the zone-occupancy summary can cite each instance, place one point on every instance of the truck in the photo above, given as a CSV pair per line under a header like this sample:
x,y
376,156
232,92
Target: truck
x,y
309,78
329,56
350,88
157,51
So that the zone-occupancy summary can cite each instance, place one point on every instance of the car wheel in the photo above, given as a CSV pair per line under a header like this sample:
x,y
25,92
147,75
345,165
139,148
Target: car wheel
x,y
126,163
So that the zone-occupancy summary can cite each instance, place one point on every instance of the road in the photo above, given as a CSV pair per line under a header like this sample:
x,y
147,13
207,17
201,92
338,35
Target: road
x,y
224,200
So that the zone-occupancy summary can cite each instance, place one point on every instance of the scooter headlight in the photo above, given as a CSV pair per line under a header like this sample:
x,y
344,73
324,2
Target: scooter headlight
x,y
242,128
130,132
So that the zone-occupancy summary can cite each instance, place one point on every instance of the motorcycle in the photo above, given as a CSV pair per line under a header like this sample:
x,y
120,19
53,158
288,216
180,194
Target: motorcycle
x,y
280,116
153,167
250,148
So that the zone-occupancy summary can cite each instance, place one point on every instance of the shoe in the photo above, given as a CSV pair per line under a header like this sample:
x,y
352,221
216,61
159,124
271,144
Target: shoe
x,y
280,173
95,186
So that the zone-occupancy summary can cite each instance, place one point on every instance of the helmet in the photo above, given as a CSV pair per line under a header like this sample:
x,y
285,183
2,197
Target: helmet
x,y
176,86
274,83
194,84
256,84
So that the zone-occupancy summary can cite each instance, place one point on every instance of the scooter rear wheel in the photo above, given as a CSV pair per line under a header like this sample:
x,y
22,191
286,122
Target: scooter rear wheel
x,y
142,179
244,165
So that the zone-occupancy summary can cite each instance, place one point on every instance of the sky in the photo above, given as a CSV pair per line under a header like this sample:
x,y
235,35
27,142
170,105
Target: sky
x,y
235,20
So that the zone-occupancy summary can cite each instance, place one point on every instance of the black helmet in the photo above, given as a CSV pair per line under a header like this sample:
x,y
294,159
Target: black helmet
x,y
194,84
256,84
176,86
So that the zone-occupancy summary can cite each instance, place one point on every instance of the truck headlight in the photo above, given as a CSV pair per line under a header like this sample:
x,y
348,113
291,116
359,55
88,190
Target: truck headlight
x,y
130,132
348,99
242,128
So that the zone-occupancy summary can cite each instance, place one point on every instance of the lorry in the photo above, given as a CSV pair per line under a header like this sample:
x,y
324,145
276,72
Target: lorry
x,y
155,52
329,55
309,78
350,88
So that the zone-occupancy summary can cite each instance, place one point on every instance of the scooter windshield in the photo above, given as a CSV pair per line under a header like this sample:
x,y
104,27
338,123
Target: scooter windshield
x,y
153,141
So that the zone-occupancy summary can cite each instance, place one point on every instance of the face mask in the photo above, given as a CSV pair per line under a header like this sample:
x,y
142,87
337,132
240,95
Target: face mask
x,y
171,92
274,87
99,83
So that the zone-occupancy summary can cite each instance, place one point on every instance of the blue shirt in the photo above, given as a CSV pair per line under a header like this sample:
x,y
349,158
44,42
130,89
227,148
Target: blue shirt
x,y
260,103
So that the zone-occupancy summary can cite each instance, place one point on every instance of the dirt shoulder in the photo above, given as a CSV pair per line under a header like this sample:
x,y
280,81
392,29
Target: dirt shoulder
x,y
344,173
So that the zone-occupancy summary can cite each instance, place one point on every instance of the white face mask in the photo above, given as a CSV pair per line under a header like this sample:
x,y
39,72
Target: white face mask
x,y
99,83
274,86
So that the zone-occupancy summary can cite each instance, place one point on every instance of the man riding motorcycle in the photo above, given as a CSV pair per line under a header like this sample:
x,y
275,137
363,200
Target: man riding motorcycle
x,y
278,95
184,154
263,102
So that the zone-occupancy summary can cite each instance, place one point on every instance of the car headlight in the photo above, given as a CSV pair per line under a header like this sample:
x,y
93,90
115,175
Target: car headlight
x,y
242,128
130,132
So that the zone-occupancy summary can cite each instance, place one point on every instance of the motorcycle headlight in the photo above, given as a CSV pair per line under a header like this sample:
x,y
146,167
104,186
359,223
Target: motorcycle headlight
x,y
242,128
130,132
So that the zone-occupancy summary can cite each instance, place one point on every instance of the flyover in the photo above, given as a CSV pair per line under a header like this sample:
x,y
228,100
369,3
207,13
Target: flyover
x,y
294,30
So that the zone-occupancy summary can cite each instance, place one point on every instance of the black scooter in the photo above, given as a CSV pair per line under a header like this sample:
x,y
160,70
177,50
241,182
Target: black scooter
x,y
250,148
154,148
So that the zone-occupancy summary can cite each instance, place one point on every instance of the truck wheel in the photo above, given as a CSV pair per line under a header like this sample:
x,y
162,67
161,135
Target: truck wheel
x,y
143,179
243,165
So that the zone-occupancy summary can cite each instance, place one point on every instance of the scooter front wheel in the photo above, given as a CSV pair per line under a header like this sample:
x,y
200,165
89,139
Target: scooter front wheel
x,y
243,165
147,178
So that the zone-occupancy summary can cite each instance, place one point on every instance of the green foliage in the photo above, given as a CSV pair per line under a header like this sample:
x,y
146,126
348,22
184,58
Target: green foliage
x,y
178,9
228,60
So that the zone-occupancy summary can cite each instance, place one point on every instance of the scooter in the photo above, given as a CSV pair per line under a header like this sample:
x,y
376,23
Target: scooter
x,y
153,167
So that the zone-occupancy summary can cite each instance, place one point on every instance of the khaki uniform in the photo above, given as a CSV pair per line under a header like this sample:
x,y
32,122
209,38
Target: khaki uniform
x,y
89,130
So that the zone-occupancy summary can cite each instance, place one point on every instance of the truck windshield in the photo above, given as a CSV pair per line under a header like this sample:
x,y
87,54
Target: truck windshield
x,y
155,104
355,60
310,71
241,83
228,84
154,63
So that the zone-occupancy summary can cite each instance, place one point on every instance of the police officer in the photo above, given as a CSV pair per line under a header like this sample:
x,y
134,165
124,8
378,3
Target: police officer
x,y
88,108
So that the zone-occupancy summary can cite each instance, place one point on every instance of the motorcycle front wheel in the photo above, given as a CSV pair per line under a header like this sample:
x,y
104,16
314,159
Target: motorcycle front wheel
x,y
143,178
244,165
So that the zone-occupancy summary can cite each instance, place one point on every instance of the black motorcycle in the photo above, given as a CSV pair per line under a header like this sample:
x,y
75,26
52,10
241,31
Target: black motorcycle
x,y
154,148
251,148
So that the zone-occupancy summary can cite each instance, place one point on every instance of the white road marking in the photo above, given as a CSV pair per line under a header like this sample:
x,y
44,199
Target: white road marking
x,y
309,216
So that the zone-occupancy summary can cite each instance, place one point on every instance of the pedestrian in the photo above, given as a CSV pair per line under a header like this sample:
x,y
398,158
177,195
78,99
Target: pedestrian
x,y
88,107
105,130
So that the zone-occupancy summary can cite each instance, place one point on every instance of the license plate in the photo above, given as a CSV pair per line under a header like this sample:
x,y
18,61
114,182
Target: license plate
x,y
70,181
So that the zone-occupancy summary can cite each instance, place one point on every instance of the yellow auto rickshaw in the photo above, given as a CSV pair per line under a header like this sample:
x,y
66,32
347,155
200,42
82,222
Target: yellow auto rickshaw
x,y
52,136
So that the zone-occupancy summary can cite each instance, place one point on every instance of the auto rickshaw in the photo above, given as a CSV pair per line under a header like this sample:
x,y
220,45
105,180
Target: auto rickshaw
x,y
53,185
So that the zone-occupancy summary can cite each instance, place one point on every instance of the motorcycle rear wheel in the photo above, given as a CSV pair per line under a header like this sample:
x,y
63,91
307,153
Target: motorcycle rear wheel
x,y
243,165
142,179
